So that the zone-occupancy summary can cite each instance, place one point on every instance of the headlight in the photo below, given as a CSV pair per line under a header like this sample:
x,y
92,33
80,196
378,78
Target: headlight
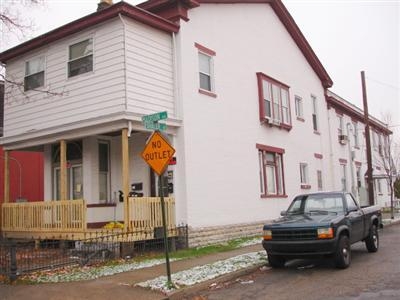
x,y
325,233
267,235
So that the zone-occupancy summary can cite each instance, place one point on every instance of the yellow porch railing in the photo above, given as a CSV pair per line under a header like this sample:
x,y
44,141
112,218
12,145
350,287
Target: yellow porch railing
x,y
51,216
145,212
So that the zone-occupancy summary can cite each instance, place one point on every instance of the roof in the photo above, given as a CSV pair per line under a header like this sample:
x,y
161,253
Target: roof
x,y
120,8
163,7
354,112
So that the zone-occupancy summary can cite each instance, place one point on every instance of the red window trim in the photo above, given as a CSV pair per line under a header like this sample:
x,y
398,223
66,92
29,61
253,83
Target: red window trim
x,y
300,119
279,151
357,163
305,186
207,93
270,149
205,50
342,161
263,77
318,155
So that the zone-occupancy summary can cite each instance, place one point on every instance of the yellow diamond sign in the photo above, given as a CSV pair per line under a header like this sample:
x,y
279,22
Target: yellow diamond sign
x,y
158,152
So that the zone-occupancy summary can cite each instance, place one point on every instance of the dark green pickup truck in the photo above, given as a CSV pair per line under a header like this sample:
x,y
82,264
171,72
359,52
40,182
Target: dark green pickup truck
x,y
321,224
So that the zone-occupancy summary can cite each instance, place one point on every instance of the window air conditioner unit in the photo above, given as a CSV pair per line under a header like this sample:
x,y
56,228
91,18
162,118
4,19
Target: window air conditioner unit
x,y
343,139
276,122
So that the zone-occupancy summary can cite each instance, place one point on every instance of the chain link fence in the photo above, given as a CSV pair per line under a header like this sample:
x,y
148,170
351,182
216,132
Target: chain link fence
x,y
19,257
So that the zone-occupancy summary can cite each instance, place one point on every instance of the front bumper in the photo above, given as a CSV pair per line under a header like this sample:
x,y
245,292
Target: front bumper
x,y
300,248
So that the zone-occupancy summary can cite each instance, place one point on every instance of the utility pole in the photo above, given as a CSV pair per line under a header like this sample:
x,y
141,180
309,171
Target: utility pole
x,y
370,180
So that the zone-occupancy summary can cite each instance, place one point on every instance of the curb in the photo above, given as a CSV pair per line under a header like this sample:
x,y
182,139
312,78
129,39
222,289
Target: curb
x,y
390,222
186,291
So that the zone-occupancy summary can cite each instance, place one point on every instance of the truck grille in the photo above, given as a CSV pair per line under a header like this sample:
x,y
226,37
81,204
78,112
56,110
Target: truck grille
x,y
294,234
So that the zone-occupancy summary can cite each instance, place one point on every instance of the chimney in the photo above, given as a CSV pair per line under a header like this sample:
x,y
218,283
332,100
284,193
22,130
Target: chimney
x,y
103,4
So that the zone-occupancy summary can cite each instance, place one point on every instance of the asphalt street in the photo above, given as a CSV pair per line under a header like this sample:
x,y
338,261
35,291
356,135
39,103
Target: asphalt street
x,y
370,276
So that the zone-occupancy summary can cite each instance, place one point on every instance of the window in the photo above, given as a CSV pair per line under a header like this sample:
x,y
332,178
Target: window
x,y
379,186
104,177
344,178
206,70
299,107
274,101
355,135
271,171
34,73
80,58
304,175
314,113
319,180
340,128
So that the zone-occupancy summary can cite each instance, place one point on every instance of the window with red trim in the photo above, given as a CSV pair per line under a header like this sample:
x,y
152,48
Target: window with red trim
x,y
206,70
274,101
271,171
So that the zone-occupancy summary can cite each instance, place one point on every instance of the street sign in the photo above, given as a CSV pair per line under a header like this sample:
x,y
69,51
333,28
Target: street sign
x,y
155,126
158,152
155,117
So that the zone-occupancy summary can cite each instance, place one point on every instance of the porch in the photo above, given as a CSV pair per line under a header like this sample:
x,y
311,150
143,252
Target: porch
x,y
67,220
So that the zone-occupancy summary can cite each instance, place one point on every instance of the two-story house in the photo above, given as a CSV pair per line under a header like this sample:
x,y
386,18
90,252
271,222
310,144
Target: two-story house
x,y
247,115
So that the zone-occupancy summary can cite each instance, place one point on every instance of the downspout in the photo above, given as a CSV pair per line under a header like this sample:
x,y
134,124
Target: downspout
x,y
125,75
331,166
177,95
351,157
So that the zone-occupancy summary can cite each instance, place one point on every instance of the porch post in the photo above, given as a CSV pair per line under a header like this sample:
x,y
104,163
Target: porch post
x,y
6,176
125,175
63,170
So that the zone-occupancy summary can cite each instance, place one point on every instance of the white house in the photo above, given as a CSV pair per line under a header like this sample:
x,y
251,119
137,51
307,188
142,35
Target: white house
x,y
249,113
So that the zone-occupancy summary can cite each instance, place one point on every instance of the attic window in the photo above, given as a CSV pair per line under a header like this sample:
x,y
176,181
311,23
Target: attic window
x,y
34,73
80,58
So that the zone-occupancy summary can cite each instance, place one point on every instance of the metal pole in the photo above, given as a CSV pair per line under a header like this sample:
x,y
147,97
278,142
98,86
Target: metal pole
x,y
368,142
161,180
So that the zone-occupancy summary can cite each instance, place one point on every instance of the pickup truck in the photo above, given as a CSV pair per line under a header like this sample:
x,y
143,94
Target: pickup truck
x,y
321,224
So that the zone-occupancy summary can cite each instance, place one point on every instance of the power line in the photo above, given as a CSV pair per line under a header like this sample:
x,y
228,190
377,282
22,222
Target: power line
x,y
383,83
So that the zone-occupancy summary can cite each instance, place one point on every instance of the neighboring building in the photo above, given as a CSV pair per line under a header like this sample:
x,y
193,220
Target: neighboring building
x,y
26,169
247,106
349,158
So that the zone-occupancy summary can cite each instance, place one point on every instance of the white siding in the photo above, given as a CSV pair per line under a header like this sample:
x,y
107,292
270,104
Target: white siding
x,y
149,54
221,172
85,96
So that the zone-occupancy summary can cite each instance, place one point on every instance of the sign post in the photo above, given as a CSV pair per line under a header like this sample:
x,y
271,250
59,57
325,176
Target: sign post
x,y
157,153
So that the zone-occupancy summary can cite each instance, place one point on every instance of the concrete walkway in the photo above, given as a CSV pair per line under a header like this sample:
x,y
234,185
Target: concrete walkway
x,y
119,286
122,286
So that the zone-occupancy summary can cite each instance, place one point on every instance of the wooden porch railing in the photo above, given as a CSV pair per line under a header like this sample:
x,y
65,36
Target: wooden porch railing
x,y
51,216
145,212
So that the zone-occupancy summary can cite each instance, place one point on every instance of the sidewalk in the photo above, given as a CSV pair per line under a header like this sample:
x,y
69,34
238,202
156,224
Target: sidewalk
x,y
116,286
123,285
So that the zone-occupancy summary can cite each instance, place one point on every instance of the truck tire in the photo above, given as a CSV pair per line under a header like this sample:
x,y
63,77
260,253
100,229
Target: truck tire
x,y
276,261
372,240
342,257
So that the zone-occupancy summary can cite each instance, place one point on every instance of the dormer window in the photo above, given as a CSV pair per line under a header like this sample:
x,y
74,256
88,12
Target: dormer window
x,y
34,73
80,58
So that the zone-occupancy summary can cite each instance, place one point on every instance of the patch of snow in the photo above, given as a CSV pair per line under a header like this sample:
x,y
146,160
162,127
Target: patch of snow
x,y
206,272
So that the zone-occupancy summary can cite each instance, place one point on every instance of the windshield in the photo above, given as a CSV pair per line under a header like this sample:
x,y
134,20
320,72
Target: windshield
x,y
317,204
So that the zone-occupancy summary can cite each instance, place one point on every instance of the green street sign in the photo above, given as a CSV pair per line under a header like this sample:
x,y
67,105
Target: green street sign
x,y
155,126
155,117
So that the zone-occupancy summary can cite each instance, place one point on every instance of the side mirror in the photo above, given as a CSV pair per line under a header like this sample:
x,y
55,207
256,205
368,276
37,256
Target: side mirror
x,y
283,213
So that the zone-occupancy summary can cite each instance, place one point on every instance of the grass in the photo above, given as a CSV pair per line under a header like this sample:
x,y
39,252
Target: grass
x,y
177,255
210,249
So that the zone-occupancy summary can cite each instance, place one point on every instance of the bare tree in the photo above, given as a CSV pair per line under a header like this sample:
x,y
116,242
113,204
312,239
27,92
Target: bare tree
x,y
388,160
14,23
11,21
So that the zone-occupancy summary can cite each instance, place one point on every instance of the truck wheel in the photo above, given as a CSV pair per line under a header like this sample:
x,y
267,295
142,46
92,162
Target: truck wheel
x,y
372,240
276,261
342,257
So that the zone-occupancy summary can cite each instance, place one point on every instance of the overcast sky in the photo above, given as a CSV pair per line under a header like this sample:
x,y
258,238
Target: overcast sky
x,y
348,36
